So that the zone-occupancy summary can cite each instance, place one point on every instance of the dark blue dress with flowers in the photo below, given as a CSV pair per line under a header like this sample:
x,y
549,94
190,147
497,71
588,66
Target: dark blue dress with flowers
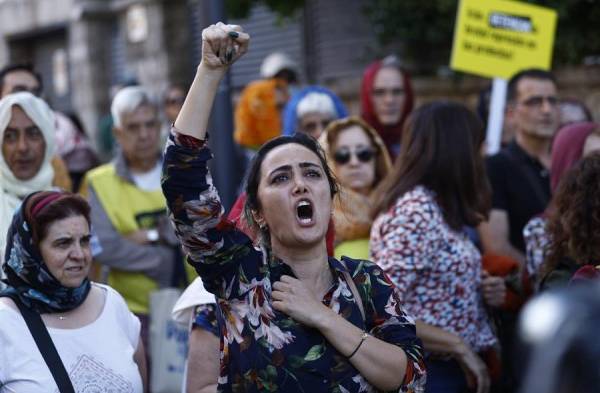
x,y
263,350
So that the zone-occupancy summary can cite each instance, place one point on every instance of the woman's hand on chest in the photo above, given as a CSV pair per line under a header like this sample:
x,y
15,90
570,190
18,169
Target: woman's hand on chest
x,y
293,297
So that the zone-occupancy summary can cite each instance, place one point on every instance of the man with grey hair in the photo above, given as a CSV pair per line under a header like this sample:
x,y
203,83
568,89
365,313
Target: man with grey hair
x,y
128,209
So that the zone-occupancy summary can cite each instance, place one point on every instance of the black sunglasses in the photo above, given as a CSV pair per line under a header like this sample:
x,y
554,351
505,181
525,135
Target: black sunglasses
x,y
343,156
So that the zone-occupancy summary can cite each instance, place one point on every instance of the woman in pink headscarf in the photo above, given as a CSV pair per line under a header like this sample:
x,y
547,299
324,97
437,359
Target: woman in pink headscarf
x,y
386,99
571,144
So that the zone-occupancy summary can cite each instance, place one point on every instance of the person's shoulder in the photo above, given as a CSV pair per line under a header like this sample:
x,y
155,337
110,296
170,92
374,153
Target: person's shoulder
x,y
110,294
9,313
360,266
416,195
101,170
498,160
418,200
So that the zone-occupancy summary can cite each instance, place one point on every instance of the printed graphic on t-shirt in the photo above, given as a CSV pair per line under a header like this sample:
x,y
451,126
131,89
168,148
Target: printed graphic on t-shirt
x,y
90,376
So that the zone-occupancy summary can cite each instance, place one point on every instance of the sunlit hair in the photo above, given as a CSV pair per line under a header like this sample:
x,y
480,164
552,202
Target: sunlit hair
x,y
574,224
128,100
253,204
440,150
316,103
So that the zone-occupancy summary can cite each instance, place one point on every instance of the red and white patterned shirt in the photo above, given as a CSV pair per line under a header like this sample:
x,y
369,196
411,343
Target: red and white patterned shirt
x,y
437,269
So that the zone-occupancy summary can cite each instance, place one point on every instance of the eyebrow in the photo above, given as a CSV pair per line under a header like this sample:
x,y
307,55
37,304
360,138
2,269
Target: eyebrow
x,y
16,129
289,167
308,165
67,237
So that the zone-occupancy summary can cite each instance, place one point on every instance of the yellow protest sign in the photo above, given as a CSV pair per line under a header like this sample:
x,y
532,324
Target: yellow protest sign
x,y
497,38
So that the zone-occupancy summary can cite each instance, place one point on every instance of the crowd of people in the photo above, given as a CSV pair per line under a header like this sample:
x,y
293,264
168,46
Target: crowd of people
x,y
380,251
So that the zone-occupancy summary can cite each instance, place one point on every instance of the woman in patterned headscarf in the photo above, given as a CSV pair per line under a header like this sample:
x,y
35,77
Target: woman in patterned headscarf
x,y
48,259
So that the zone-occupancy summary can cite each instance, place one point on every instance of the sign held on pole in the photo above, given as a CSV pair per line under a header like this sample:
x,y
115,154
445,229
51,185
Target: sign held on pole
x,y
497,38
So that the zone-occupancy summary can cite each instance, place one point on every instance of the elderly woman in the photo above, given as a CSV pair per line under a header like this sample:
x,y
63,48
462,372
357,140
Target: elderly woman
x,y
310,110
96,338
386,100
435,190
27,162
359,161
292,319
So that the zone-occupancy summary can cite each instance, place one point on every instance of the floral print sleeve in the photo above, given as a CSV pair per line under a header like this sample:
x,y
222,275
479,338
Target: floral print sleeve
x,y
387,321
537,243
212,244
403,245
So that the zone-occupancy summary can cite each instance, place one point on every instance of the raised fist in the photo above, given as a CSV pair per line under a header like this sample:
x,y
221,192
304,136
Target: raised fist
x,y
222,45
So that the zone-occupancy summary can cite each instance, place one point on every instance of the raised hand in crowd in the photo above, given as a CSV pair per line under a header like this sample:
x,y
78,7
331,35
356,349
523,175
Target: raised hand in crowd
x,y
222,45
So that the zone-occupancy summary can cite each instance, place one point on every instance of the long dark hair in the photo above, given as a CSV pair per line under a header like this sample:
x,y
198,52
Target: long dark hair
x,y
441,151
254,174
574,224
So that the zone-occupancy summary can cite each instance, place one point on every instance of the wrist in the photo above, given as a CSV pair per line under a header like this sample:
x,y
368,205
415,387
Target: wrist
x,y
325,320
214,74
459,349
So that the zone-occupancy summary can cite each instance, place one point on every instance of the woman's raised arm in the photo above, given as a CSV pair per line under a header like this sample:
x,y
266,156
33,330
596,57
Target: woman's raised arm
x,y
193,201
222,45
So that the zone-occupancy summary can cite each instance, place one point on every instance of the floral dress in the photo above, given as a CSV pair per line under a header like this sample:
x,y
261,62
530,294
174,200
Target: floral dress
x,y
437,270
264,350
537,244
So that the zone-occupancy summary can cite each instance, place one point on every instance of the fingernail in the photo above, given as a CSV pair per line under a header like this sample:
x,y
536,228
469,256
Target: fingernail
x,y
233,34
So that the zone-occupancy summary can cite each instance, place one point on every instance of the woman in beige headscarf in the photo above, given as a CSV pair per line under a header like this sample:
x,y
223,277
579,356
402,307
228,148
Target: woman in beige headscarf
x,y
359,160
26,161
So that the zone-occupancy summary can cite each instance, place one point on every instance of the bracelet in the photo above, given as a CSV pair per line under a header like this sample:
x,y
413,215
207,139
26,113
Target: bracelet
x,y
362,339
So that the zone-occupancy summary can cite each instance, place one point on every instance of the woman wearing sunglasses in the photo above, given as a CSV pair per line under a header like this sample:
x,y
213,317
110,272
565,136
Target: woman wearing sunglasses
x,y
359,160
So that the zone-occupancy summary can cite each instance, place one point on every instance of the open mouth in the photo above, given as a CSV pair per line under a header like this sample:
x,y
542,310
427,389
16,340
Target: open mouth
x,y
74,269
304,212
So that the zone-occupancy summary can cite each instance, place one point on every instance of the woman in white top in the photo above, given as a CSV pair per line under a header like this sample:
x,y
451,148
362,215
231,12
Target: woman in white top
x,y
47,262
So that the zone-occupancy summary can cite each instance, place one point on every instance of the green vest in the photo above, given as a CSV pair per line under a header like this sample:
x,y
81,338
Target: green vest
x,y
129,209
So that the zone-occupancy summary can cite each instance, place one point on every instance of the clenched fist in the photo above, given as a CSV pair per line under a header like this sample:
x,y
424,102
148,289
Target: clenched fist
x,y
222,45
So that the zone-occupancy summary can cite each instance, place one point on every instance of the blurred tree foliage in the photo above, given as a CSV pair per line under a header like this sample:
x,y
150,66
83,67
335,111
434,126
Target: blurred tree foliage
x,y
426,28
